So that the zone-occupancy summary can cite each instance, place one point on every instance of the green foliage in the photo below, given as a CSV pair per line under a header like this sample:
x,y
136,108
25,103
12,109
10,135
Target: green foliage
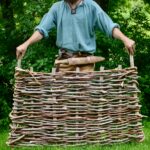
x,y
40,57
145,89
27,14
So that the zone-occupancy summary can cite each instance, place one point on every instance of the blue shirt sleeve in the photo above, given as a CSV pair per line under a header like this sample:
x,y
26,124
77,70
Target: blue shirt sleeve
x,y
48,22
104,22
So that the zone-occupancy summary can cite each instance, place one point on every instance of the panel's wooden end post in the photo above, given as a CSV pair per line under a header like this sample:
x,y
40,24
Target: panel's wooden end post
x,y
131,61
119,67
53,71
31,69
19,63
101,69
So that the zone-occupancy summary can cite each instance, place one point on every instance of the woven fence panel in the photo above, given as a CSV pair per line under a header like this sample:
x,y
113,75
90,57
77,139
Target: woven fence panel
x,y
75,108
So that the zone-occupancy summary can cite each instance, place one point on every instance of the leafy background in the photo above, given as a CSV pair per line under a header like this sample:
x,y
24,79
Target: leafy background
x,y
18,19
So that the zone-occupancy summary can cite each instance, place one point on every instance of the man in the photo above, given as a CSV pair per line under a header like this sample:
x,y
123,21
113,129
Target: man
x,y
76,22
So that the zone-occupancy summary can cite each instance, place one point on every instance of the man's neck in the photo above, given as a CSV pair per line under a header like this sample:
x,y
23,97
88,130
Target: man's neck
x,y
73,3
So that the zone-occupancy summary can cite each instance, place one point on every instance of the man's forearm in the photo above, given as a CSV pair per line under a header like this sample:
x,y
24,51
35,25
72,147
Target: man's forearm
x,y
36,36
117,34
129,43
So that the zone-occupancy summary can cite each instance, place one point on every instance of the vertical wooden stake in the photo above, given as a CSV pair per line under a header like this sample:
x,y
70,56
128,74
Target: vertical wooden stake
x,y
53,71
131,61
77,101
120,101
19,63
101,77
31,69
119,67
101,69
53,103
100,115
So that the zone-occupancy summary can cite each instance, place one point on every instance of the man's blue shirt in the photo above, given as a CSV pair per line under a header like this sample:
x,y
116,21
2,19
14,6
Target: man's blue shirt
x,y
76,32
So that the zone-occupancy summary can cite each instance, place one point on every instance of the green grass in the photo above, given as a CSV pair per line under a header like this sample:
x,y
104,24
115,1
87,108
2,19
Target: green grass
x,y
145,145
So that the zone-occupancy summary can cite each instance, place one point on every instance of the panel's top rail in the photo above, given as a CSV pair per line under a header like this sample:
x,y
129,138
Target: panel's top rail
x,y
131,62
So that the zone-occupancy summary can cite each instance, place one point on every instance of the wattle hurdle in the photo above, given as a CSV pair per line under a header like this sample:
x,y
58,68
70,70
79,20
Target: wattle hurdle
x,y
75,108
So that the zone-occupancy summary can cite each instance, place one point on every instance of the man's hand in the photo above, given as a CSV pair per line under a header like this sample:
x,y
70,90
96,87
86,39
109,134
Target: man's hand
x,y
20,50
129,45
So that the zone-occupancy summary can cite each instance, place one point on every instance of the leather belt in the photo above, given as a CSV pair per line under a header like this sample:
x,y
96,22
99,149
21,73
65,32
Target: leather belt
x,y
64,54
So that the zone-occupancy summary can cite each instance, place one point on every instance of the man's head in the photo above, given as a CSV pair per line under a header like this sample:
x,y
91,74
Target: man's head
x,y
71,1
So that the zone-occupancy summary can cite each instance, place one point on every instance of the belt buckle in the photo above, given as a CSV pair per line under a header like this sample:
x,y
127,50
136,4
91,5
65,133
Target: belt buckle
x,y
79,53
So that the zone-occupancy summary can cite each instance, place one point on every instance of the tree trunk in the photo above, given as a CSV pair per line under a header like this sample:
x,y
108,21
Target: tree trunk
x,y
7,14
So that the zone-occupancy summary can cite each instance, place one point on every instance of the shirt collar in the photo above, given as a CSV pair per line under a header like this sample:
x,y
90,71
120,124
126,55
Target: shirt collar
x,y
81,3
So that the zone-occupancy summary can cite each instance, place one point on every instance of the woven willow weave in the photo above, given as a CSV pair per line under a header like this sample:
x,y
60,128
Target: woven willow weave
x,y
75,108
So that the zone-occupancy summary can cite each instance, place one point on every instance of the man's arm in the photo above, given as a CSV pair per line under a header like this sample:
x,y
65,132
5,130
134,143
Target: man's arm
x,y
129,43
21,49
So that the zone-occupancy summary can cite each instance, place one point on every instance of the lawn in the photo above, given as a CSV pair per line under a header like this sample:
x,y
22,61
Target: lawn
x,y
128,146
